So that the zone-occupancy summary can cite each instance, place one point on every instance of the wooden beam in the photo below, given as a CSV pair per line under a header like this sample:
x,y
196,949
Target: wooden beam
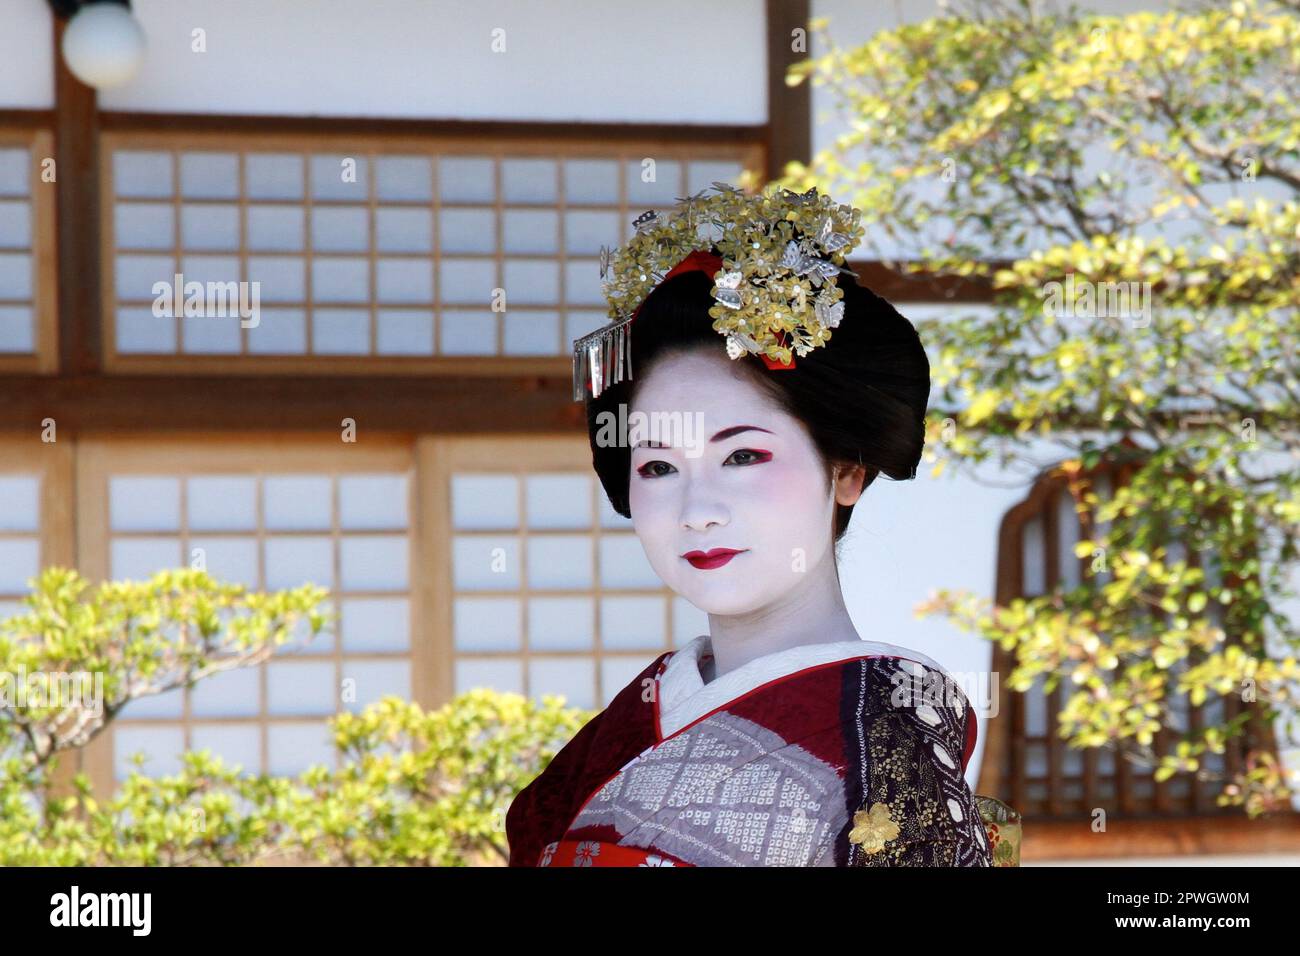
x,y
428,403
1209,834
76,154
26,119
898,286
484,131
444,404
789,108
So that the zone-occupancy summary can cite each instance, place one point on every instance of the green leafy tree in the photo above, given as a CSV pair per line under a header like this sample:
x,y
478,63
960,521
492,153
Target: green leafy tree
x,y
410,786
117,642
78,656
1068,160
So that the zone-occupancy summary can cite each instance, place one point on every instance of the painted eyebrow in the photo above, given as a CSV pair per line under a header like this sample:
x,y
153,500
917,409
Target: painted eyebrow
x,y
720,436
736,430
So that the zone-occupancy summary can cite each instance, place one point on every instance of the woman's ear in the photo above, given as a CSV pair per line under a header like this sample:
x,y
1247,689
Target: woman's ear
x,y
849,483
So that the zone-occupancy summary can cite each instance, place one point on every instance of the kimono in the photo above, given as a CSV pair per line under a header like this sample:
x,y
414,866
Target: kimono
x,y
840,754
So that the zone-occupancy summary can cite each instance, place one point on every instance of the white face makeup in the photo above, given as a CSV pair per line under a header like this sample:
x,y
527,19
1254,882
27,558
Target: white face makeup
x,y
760,492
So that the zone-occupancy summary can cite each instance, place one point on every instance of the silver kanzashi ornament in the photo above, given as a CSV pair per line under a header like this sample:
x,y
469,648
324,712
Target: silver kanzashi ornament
x,y
822,270
728,284
708,231
830,240
796,258
602,358
646,221
738,343
827,314
802,199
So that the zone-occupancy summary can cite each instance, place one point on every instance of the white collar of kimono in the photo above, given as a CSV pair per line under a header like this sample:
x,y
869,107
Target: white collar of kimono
x,y
684,696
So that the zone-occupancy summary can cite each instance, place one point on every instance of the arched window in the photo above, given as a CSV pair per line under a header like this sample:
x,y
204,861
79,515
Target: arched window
x,y
1025,761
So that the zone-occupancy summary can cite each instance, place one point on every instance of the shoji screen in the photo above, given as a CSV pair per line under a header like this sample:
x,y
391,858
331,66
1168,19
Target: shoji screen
x,y
270,514
547,590
374,254
27,271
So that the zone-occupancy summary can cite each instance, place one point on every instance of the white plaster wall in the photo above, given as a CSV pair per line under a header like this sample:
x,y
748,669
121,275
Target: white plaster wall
x,y
26,55
564,60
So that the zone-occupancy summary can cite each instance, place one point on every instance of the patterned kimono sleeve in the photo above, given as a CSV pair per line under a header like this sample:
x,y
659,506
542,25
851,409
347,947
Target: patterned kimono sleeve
x,y
917,809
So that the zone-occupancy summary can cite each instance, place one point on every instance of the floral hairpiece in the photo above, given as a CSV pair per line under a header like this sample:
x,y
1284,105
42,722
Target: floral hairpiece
x,y
780,252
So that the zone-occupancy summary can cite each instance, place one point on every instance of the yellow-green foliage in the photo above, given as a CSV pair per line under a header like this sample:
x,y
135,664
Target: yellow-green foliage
x,y
1159,148
412,787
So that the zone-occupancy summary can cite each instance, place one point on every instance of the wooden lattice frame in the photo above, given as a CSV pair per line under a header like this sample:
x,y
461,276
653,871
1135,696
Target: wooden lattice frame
x,y
1004,760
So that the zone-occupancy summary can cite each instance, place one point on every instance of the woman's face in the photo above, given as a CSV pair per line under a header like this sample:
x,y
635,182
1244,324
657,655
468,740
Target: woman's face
x,y
761,491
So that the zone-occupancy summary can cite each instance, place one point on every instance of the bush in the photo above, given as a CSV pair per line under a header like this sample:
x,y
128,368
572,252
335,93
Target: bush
x,y
411,787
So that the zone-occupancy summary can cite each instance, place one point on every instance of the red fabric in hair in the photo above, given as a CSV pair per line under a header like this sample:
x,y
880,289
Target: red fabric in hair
x,y
701,260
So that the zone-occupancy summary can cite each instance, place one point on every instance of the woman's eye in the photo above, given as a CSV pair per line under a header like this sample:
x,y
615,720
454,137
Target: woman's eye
x,y
755,457
649,469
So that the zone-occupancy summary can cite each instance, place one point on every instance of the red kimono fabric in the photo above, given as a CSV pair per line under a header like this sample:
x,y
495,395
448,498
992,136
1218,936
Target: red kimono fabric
x,y
854,762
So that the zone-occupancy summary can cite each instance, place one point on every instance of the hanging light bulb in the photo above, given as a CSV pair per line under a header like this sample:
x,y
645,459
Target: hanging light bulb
x,y
103,44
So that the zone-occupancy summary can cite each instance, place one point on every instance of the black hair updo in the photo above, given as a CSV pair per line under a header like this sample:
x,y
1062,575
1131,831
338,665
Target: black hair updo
x,y
862,396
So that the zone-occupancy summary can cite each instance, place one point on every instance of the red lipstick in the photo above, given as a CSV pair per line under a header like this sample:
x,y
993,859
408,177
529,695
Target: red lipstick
x,y
715,558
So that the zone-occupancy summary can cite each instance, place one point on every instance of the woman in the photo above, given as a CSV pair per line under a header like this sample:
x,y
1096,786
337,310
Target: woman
x,y
780,737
